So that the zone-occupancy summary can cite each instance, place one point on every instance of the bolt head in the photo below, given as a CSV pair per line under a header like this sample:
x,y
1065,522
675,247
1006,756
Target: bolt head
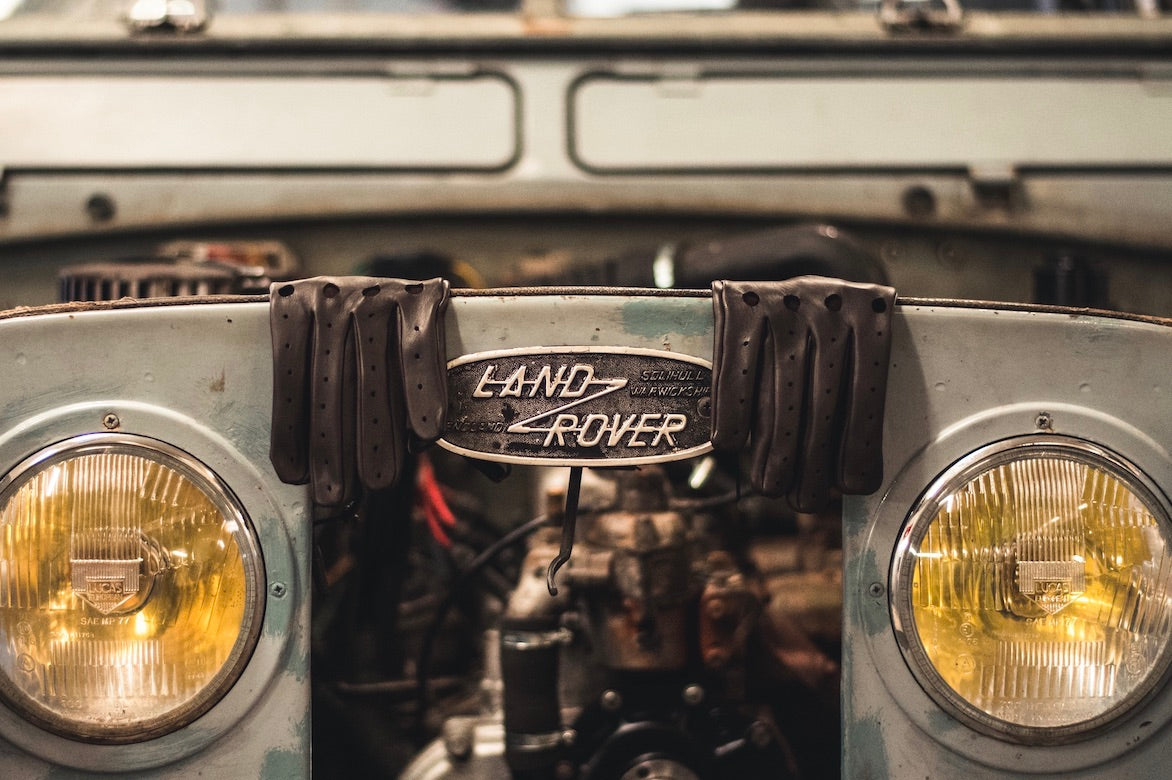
x,y
693,695
110,421
611,700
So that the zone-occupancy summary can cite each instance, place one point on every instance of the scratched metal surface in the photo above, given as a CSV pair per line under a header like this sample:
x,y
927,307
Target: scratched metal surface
x,y
961,378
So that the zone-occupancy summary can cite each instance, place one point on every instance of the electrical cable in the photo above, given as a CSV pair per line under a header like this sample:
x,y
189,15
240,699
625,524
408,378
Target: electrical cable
x,y
423,666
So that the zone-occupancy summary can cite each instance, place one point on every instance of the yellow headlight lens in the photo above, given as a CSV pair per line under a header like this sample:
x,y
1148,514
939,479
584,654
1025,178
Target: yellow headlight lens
x,y
1031,588
129,583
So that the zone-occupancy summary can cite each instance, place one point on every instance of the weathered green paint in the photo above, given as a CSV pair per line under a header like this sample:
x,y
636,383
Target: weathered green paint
x,y
663,317
941,721
864,738
875,615
283,765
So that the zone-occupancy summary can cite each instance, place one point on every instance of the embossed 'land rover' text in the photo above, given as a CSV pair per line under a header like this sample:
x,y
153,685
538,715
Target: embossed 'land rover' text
x,y
578,405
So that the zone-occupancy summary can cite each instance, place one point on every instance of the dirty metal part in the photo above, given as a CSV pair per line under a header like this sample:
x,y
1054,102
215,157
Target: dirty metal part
x,y
150,279
811,599
590,568
712,741
794,651
639,621
484,761
729,609
531,596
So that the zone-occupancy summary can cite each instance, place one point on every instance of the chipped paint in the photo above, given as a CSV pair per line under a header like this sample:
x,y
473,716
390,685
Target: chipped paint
x,y
659,317
281,764
874,611
867,747
941,721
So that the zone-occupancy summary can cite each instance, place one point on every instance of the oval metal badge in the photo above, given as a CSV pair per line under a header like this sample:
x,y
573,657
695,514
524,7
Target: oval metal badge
x,y
579,406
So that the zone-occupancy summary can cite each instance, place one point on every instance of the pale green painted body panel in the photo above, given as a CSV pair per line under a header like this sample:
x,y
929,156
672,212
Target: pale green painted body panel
x,y
198,377
962,378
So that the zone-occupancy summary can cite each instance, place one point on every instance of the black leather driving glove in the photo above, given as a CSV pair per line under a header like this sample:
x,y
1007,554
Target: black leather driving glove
x,y
800,372
357,363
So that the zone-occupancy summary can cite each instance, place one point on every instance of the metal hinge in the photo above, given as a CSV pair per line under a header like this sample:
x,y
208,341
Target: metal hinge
x,y
921,15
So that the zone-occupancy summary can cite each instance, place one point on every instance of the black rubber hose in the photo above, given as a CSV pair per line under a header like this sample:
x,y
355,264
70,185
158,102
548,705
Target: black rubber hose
x,y
529,673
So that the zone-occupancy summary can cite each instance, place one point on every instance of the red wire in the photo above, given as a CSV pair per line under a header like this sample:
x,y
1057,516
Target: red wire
x,y
431,500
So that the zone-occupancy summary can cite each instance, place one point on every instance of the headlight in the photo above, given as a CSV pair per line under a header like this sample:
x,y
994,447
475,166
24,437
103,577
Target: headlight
x,y
129,582
1030,589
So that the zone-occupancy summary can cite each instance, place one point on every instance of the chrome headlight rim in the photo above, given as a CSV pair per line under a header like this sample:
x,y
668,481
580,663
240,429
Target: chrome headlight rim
x,y
246,538
976,462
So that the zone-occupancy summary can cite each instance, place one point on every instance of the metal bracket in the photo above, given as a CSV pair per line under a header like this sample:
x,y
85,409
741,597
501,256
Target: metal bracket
x,y
997,186
569,521
180,16
921,15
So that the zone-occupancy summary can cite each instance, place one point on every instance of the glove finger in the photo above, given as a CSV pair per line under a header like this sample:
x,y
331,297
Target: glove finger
x,y
422,351
788,398
770,470
380,425
290,323
828,343
739,342
330,427
861,461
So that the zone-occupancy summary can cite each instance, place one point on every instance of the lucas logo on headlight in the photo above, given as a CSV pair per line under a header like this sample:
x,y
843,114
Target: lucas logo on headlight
x,y
578,405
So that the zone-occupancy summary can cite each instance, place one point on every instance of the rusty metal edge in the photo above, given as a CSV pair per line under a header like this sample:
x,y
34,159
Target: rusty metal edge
x,y
497,292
